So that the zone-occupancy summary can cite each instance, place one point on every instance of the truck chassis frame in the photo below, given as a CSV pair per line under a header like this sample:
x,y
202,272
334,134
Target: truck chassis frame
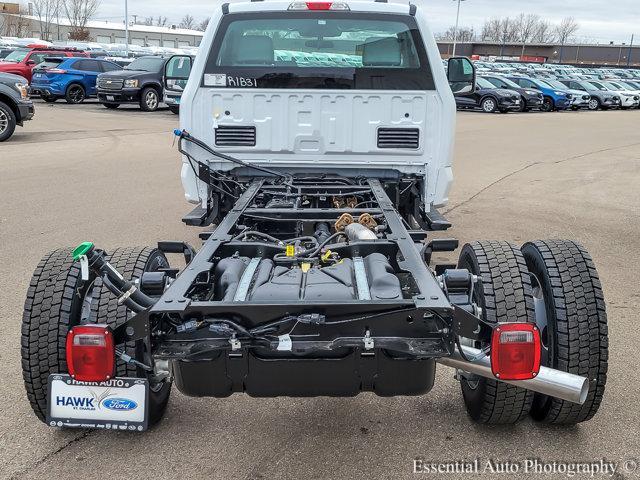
x,y
368,343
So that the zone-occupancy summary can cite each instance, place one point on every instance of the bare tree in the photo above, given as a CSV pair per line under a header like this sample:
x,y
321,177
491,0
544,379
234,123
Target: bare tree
x,y
543,33
187,22
567,27
528,25
524,28
203,25
161,21
15,24
148,21
491,29
464,34
46,11
79,12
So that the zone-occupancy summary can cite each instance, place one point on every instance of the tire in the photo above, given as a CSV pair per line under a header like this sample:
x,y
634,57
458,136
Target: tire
x,y
149,99
174,109
547,104
111,106
504,294
131,263
523,105
489,105
75,94
570,308
53,305
7,122
49,98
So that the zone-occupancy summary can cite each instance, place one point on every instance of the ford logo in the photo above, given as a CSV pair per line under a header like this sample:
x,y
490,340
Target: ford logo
x,y
122,404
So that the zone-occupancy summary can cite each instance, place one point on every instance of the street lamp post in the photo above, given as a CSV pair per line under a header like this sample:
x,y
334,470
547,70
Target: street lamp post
x,y
126,27
455,30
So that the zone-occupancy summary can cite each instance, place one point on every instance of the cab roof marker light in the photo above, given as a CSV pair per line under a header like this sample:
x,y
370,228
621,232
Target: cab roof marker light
x,y
318,6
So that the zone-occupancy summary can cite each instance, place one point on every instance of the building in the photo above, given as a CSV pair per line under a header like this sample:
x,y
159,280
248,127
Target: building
x,y
6,7
573,54
108,32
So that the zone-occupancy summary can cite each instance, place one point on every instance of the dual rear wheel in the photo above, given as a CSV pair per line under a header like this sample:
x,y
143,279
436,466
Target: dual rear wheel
x,y
58,299
553,283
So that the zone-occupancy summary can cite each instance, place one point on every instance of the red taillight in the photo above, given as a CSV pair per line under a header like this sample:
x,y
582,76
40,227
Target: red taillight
x,y
515,351
55,70
319,5
90,353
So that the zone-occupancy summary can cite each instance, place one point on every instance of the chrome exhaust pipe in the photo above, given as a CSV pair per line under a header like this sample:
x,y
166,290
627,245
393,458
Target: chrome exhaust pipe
x,y
549,381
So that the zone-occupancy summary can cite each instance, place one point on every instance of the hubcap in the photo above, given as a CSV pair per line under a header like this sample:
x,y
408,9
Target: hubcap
x,y
4,121
151,100
593,104
489,105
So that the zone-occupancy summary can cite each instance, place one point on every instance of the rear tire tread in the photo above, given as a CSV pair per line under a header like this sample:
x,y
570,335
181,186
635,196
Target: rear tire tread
x,y
50,296
507,297
581,321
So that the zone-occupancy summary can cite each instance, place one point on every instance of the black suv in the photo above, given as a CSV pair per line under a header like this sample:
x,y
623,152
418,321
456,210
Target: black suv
x,y
139,82
15,105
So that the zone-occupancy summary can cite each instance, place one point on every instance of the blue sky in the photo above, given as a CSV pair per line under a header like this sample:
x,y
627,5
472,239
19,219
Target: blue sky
x,y
602,21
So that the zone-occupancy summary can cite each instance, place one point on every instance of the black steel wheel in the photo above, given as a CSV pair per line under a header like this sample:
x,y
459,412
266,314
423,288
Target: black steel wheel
x,y
571,315
504,295
131,262
75,93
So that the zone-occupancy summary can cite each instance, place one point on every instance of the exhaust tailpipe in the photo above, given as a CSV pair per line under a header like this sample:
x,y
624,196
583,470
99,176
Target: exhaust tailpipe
x,y
549,381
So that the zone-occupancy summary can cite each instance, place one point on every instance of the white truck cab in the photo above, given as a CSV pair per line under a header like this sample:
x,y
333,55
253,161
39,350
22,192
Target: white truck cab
x,y
352,88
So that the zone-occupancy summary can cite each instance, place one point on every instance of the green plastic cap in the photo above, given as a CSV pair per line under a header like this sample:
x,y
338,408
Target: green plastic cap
x,y
81,250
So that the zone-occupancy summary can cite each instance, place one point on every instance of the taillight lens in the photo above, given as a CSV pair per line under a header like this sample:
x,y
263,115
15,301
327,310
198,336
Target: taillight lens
x,y
90,353
55,70
318,6
515,351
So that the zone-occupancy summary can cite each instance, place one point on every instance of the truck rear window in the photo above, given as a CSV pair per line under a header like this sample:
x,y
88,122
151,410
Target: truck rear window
x,y
330,50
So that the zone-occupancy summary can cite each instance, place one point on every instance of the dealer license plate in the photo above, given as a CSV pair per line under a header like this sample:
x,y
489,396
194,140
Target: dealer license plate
x,y
111,98
118,404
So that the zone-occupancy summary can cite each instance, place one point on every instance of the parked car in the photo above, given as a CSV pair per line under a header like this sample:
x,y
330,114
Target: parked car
x,y
601,98
139,82
73,79
22,60
489,98
176,74
15,105
529,98
627,90
4,51
627,99
580,99
553,99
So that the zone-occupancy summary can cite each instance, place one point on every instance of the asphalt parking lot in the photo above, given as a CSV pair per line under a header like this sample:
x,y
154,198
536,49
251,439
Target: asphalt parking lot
x,y
84,173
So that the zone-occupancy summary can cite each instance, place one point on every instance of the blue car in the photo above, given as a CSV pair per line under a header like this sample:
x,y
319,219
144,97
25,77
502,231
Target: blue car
x,y
73,79
553,99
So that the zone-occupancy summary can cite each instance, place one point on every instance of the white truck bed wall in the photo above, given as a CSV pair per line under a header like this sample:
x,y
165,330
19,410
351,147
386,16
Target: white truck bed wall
x,y
327,130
